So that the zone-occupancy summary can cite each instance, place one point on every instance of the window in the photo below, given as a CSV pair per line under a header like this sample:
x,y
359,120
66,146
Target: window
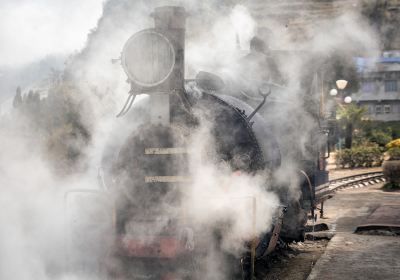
x,y
387,109
370,109
368,86
390,85
378,109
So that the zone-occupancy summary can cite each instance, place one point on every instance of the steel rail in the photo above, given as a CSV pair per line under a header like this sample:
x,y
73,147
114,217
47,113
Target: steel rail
x,y
326,191
348,180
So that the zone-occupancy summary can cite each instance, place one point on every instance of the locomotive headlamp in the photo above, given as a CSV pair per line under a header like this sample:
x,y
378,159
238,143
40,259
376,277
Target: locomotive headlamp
x,y
148,58
153,60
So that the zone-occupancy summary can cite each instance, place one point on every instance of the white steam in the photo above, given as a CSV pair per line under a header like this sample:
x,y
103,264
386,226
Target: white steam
x,y
33,232
31,30
218,195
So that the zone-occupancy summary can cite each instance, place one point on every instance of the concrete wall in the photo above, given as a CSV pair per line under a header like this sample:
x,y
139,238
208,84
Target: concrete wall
x,y
383,111
382,104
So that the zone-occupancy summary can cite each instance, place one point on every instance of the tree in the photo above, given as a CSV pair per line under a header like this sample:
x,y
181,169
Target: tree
x,y
380,136
350,117
17,98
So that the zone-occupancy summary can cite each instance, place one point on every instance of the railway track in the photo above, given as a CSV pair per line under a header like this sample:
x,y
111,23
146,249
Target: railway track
x,y
326,191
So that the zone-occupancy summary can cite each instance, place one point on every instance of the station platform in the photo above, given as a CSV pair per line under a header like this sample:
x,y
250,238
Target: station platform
x,y
365,255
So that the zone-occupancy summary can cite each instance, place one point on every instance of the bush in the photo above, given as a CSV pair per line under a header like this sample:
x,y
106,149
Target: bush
x,y
343,158
393,128
362,156
391,186
394,153
380,137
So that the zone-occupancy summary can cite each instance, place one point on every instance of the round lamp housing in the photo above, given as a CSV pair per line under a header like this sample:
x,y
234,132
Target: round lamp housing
x,y
148,58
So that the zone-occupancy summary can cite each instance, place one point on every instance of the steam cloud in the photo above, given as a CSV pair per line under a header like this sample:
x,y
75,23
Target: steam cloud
x,y
34,233
30,30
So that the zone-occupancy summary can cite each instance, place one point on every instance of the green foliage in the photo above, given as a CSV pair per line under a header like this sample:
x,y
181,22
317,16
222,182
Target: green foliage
x,y
380,137
377,132
350,119
343,158
361,156
394,153
395,128
67,133
391,186
58,121
352,113
392,128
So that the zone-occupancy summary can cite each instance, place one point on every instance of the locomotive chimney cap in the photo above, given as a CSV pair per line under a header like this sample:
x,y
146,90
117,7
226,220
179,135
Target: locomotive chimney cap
x,y
170,17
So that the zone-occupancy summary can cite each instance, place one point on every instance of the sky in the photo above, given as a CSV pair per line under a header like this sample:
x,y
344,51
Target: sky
x,y
32,29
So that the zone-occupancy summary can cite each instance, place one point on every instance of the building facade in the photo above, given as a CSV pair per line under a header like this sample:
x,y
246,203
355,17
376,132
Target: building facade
x,y
380,86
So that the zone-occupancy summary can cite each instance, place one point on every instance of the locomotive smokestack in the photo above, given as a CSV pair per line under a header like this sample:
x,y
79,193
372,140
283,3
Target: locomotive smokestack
x,y
172,21
169,17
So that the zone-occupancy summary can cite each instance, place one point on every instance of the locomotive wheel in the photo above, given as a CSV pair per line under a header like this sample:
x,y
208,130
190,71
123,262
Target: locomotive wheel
x,y
293,228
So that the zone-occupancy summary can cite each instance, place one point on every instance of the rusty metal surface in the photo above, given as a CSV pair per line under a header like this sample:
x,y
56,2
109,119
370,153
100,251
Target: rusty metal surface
x,y
386,216
275,234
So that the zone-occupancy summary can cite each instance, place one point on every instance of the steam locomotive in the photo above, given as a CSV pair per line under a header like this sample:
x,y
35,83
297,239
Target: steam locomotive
x,y
151,167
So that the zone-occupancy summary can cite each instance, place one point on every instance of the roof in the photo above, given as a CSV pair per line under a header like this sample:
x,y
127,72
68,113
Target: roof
x,y
389,59
370,63
376,96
